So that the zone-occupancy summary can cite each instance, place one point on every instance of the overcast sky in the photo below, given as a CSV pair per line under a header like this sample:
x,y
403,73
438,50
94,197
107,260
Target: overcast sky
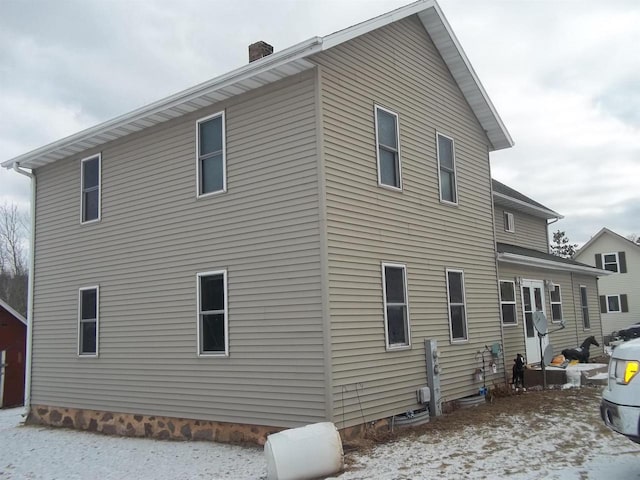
x,y
564,77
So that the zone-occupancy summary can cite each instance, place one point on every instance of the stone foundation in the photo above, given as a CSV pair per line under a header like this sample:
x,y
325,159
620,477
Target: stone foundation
x,y
163,428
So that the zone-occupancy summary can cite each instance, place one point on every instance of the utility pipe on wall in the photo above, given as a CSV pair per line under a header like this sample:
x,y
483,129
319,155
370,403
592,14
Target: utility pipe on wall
x,y
32,247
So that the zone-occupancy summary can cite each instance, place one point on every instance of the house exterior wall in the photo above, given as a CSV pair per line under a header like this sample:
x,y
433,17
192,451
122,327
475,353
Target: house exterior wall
x,y
530,231
397,67
155,236
574,333
617,283
13,337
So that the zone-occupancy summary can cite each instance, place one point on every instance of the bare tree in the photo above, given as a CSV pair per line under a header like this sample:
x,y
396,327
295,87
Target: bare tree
x,y
634,238
13,259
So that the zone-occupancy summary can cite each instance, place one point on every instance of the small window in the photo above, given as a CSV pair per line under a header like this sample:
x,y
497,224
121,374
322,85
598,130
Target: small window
x,y
613,304
396,306
447,169
556,304
212,168
457,306
388,148
508,302
585,307
213,338
509,222
90,180
610,262
88,308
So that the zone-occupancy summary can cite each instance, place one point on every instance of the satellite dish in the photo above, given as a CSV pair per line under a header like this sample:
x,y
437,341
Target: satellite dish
x,y
547,356
540,323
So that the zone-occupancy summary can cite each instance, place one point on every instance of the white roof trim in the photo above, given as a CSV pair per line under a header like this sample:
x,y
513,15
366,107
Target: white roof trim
x,y
549,264
534,210
601,232
8,308
290,61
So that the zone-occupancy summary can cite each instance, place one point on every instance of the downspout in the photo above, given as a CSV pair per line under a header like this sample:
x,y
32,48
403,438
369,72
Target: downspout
x,y
32,246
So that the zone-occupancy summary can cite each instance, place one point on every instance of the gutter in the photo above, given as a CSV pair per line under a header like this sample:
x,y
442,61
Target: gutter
x,y
550,264
32,256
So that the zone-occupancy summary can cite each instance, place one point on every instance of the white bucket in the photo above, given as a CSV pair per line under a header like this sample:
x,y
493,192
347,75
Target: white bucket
x,y
573,376
303,453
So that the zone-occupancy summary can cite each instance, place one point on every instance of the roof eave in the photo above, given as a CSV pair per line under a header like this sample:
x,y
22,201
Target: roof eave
x,y
516,259
13,312
527,207
279,65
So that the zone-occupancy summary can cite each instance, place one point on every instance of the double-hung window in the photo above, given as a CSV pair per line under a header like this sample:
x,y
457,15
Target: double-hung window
x,y
213,337
88,312
457,305
388,148
90,186
396,306
556,303
508,302
509,222
584,305
447,168
212,168
610,262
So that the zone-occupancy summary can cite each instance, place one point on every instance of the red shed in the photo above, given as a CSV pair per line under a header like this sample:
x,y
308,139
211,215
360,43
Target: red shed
x,y
13,344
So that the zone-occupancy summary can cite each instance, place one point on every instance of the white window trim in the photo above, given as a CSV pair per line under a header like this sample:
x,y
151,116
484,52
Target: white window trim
x,y
224,155
80,290
559,302
509,222
388,346
375,119
582,308
464,303
617,261
619,304
506,302
199,351
82,162
455,168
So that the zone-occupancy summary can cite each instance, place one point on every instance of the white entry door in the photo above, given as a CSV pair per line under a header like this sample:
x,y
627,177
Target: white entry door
x,y
532,301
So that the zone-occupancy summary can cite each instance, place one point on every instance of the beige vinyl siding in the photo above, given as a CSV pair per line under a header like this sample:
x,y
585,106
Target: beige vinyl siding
x,y
152,240
531,232
398,68
573,334
617,283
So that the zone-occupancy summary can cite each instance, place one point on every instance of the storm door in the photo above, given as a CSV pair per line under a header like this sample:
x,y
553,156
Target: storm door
x,y
532,301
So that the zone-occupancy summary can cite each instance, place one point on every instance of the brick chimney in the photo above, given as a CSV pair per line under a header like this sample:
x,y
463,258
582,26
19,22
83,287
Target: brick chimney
x,y
258,50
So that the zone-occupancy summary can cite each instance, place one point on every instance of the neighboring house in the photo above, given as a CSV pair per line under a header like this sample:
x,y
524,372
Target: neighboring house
x,y
13,340
620,291
531,279
273,247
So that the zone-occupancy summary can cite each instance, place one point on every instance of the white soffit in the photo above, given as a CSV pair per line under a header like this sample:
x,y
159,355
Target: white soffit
x,y
277,66
518,205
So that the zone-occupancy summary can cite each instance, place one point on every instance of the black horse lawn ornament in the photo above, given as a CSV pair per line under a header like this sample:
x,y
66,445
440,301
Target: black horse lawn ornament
x,y
582,352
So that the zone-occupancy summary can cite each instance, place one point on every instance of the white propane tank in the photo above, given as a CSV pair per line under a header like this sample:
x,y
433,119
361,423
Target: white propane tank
x,y
303,453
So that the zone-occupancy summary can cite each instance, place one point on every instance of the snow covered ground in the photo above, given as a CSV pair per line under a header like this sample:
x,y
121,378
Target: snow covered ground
x,y
553,443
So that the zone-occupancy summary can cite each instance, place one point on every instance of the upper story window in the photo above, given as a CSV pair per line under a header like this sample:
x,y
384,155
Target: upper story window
x,y
447,169
613,262
388,148
508,302
213,337
556,303
457,305
614,303
584,305
396,305
88,308
90,185
509,222
212,168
